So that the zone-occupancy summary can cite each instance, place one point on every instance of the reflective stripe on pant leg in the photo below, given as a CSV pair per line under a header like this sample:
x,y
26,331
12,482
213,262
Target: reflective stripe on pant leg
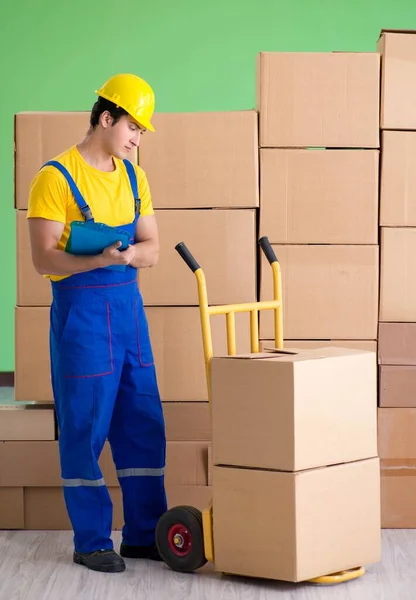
x,y
83,482
140,472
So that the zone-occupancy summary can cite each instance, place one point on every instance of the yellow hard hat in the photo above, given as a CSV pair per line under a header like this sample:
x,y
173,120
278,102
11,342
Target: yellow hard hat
x,y
133,94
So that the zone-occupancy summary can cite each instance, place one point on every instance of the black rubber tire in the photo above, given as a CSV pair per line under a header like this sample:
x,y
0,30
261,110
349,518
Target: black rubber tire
x,y
191,518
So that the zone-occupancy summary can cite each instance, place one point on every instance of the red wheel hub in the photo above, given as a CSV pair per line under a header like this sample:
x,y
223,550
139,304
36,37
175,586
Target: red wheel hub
x,y
180,539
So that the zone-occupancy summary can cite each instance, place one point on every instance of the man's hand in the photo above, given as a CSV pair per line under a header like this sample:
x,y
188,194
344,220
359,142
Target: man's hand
x,y
113,256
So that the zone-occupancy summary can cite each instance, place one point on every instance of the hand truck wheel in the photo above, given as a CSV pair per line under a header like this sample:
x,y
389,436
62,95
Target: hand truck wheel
x,y
180,539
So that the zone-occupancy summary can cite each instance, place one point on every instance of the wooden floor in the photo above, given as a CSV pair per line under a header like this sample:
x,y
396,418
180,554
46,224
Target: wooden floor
x,y
38,566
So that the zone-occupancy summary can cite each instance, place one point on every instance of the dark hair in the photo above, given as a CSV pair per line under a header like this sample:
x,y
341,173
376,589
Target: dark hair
x,y
101,106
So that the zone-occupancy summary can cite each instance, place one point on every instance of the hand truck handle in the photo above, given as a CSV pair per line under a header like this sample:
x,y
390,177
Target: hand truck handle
x,y
187,256
267,249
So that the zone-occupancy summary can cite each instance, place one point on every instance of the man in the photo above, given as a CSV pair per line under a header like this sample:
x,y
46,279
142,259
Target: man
x,y
103,375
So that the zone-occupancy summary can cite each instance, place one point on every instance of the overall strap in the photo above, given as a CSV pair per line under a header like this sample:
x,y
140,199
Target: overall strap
x,y
131,172
82,205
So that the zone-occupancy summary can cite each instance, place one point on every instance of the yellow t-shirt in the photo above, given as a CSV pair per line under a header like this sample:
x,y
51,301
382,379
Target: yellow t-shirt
x,y
108,194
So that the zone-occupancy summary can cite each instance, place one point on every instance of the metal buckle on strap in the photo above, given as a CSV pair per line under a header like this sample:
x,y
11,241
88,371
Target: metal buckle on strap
x,y
87,214
138,205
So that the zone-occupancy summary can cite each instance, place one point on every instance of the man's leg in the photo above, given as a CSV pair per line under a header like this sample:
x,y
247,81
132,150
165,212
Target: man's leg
x,y
85,381
137,438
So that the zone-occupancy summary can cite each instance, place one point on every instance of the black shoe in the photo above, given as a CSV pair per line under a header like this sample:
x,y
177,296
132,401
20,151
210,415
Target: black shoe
x,y
106,561
150,552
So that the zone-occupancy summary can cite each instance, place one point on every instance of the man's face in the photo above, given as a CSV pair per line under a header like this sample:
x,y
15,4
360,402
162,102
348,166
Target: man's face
x,y
123,136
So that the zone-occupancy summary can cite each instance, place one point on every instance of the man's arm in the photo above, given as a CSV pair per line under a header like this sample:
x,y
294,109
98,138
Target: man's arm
x,y
48,260
147,243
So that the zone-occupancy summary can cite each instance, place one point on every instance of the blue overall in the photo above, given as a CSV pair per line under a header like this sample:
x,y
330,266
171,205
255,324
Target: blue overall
x,y
105,387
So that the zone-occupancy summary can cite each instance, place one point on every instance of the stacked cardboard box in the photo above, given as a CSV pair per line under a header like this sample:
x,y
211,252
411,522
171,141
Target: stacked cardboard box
x,y
206,193
203,172
296,478
319,138
397,328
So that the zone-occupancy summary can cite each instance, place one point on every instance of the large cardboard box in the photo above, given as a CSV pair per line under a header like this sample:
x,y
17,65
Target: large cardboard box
x,y
329,292
397,386
296,526
294,410
12,508
397,344
202,160
398,274
398,494
224,244
227,254
398,179
325,99
36,464
26,421
177,348
369,345
44,508
39,137
319,197
398,78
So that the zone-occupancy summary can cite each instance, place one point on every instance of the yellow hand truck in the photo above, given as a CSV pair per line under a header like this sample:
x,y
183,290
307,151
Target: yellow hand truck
x,y
184,534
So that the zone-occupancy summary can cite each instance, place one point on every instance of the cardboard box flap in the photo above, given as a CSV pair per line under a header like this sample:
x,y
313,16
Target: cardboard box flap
x,y
295,355
275,350
316,353
247,356
266,353
406,31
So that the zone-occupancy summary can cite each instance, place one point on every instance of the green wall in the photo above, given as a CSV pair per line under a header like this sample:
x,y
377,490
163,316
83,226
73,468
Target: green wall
x,y
197,56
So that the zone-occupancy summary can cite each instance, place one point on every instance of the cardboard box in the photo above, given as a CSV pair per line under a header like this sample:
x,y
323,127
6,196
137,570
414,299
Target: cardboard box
x,y
299,525
329,292
397,450
12,511
398,274
32,289
224,244
294,410
369,345
39,137
319,197
398,179
202,160
45,509
32,379
26,422
398,494
397,344
37,464
177,348
398,386
398,76
227,255
324,99
396,428
187,421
